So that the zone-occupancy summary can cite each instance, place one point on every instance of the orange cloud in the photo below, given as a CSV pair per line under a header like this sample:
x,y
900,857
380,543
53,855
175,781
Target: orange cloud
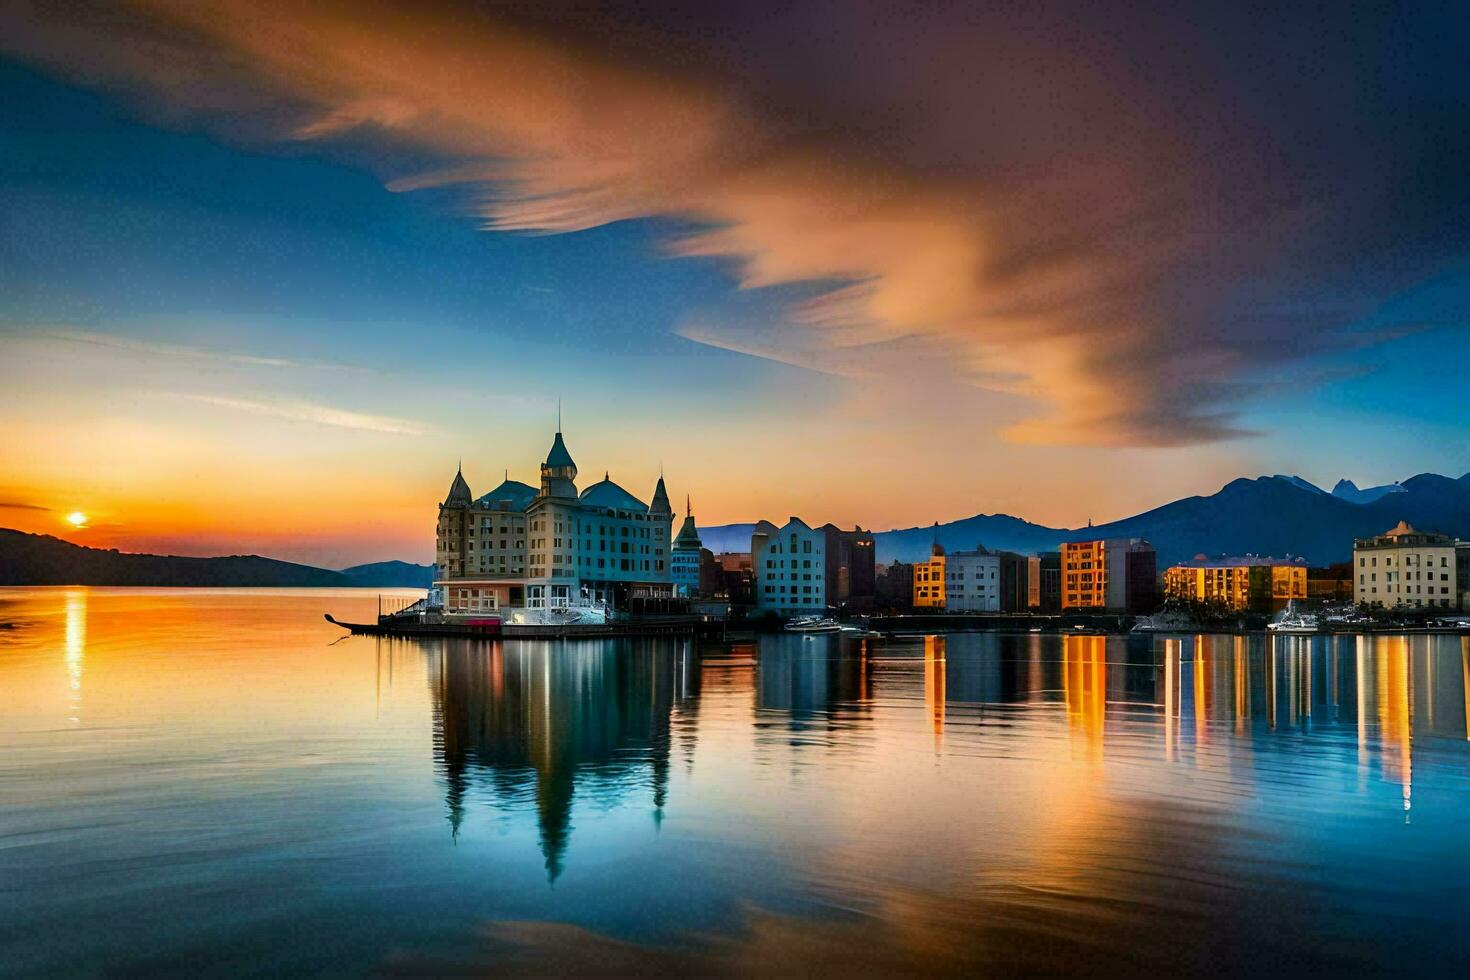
x,y
1058,283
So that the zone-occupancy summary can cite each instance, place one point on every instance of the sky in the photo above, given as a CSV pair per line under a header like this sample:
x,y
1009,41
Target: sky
x,y
270,271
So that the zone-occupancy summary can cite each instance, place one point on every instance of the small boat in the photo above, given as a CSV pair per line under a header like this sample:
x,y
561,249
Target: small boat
x,y
1169,621
1292,622
584,613
812,624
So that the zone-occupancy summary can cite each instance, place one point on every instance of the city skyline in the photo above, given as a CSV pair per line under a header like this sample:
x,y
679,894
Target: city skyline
x,y
285,270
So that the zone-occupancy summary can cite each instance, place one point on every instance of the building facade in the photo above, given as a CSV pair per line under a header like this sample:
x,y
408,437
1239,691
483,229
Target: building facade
x,y
736,577
1244,583
972,581
1462,562
1050,571
929,580
686,559
851,571
1403,567
790,568
895,586
1110,575
521,546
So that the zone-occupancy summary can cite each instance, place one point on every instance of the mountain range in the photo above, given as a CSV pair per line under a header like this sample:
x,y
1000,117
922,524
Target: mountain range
x,y
1270,515
40,559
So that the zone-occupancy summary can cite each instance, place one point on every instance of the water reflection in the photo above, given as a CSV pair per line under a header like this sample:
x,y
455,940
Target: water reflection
x,y
537,723
75,650
1015,803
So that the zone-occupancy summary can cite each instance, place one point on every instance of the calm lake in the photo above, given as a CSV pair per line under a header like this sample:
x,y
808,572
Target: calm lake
x,y
219,782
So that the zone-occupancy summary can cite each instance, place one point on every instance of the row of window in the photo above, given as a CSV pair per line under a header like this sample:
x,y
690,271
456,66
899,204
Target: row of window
x,y
1371,561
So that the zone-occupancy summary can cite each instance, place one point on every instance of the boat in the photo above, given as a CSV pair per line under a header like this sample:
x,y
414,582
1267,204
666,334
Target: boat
x,y
812,624
1293,622
582,612
1168,621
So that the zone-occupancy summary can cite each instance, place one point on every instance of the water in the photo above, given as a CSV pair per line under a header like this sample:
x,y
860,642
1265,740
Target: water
x,y
214,782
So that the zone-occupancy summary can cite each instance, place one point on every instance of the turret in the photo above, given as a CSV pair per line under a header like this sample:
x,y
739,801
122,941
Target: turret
x,y
688,539
459,491
558,473
659,506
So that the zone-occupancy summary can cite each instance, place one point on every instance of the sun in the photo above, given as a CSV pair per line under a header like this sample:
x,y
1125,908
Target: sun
x,y
76,518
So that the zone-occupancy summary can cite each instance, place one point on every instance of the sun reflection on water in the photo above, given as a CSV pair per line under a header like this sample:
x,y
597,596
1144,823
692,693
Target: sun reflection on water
x,y
75,650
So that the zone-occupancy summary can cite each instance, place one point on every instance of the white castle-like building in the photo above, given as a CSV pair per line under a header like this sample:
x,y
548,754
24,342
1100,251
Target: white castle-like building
x,y
520,547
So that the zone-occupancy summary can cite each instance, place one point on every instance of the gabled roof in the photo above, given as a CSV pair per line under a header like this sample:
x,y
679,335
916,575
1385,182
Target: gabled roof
x,y
606,493
513,492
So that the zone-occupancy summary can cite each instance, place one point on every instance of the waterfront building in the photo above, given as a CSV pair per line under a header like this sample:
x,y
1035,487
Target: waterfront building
x,y
1033,582
736,576
894,586
1334,583
972,581
1015,580
518,546
986,581
686,558
789,568
851,572
1110,575
1247,582
1403,567
929,580
1050,563
1462,575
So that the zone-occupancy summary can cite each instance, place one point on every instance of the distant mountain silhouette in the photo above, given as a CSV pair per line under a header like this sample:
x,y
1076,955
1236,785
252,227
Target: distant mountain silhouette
x,y
391,575
40,559
1348,490
1270,515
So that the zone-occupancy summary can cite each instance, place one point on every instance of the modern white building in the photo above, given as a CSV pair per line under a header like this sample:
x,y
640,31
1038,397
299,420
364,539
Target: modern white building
x,y
789,567
1404,567
972,581
518,546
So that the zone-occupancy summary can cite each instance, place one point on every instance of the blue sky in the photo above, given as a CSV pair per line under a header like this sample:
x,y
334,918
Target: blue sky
x,y
195,299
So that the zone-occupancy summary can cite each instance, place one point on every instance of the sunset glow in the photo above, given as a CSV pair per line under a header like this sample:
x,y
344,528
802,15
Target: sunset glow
x,y
269,306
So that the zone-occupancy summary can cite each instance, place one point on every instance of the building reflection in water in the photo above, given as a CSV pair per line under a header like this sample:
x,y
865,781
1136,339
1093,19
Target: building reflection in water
x,y
809,676
541,723
1084,685
934,685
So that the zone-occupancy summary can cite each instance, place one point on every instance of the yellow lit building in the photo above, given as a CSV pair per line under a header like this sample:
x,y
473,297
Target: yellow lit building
x,y
1114,574
1084,575
1248,582
929,580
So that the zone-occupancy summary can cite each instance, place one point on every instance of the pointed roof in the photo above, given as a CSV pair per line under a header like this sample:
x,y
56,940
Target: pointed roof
x,y
459,491
688,539
1400,529
558,456
660,503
